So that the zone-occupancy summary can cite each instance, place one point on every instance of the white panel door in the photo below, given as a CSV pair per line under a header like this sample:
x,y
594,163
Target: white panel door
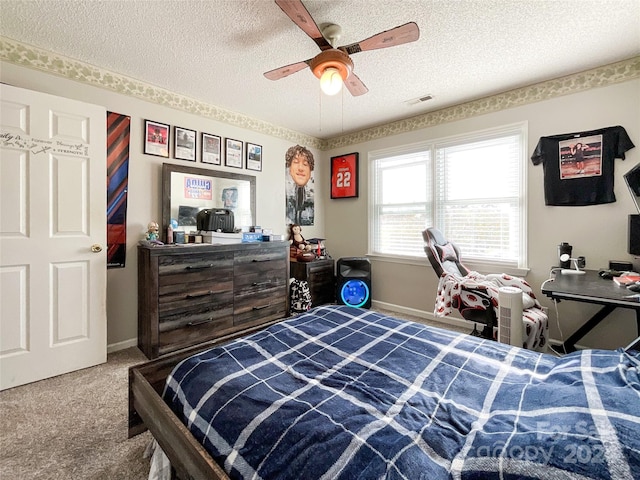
x,y
53,265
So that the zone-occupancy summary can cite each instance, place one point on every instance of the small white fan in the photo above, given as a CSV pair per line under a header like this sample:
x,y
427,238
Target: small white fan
x,y
510,328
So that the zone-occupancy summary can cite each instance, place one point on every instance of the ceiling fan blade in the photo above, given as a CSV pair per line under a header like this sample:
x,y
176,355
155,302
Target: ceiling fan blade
x,y
409,32
287,70
297,12
355,85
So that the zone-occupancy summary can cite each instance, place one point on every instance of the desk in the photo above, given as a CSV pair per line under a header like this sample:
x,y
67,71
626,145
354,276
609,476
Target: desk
x,y
590,288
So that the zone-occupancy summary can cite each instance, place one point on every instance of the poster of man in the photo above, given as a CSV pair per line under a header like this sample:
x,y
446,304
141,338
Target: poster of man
x,y
299,182
581,158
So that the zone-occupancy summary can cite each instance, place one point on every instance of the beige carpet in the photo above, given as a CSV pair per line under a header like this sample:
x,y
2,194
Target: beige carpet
x,y
74,426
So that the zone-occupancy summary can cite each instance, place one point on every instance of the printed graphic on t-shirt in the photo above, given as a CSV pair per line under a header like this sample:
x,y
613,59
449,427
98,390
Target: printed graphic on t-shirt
x,y
581,157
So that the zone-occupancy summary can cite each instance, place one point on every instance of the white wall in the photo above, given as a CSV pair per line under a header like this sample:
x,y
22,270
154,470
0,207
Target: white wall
x,y
145,182
597,232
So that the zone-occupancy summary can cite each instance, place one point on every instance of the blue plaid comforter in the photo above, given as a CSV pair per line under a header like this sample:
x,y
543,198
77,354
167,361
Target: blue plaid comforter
x,y
345,393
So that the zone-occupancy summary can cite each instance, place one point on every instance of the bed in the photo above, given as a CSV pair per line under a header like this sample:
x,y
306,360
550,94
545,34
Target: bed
x,y
341,392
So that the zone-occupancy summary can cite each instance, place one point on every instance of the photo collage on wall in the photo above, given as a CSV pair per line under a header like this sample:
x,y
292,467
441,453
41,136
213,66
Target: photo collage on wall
x,y
231,153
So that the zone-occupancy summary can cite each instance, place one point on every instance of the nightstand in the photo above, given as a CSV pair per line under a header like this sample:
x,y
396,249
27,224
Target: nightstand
x,y
319,274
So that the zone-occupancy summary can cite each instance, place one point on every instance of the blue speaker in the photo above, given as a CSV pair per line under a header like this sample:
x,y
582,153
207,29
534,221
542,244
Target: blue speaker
x,y
354,282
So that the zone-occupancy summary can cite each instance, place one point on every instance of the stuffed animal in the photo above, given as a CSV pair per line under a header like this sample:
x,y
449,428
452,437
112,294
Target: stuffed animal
x,y
300,249
297,240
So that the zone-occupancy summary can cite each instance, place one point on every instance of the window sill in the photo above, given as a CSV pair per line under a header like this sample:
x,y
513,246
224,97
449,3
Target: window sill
x,y
484,268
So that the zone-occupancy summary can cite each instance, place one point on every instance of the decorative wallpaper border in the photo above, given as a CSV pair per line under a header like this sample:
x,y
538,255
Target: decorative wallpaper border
x,y
597,77
28,56
24,55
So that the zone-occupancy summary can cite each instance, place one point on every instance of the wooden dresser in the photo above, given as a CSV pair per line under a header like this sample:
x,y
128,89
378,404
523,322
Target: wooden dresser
x,y
189,294
320,276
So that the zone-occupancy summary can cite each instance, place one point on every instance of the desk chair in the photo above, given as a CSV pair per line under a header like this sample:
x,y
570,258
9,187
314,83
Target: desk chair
x,y
475,296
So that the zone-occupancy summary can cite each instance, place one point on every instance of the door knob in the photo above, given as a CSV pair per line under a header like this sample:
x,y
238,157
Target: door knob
x,y
96,248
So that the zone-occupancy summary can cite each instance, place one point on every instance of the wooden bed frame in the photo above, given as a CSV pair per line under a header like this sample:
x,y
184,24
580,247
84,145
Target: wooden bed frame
x,y
147,410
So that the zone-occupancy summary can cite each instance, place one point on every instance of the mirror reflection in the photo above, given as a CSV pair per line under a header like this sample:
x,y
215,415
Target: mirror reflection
x,y
187,190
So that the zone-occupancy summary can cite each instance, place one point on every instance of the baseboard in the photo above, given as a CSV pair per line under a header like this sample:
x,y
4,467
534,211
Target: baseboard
x,y
115,347
577,346
449,320
453,321
133,342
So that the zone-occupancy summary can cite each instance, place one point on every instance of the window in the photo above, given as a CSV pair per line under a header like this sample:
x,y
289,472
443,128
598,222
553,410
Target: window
x,y
471,187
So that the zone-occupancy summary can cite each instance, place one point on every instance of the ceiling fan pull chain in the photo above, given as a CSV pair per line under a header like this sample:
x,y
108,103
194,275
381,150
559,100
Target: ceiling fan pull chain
x,y
342,113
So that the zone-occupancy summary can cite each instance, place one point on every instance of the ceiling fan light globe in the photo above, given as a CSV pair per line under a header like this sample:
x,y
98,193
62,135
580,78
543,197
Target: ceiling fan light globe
x,y
331,81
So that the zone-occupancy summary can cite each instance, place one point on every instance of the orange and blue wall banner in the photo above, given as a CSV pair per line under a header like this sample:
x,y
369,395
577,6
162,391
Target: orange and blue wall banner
x,y
118,133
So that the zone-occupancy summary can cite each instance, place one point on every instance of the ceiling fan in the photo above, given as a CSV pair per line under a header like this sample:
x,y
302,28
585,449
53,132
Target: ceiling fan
x,y
332,65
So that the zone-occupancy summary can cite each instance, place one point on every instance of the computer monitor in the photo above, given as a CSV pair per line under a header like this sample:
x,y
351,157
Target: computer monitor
x,y
634,235
632,178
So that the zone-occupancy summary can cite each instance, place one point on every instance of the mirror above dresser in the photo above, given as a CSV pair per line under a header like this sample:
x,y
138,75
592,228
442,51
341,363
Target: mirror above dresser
x,y
186,190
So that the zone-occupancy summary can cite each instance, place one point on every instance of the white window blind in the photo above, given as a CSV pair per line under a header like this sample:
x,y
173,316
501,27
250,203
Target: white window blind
x,y
470,187
402,189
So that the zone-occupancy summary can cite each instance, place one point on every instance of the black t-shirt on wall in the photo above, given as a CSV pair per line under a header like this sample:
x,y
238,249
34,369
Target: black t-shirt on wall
x,y
579,167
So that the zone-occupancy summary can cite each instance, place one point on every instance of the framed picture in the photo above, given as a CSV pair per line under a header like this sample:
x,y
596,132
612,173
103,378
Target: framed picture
x,y
233,153
344,176
185,147
156,139
230,197
211,149
254,157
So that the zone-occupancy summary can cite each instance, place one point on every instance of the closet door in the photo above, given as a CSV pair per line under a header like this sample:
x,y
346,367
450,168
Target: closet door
x,y
52,236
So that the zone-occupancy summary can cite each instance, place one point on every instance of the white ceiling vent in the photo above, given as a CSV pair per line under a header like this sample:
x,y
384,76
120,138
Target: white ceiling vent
x,y
422,99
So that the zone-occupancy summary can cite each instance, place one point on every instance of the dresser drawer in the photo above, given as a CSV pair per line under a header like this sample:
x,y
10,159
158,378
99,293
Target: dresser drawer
x,y
261,305
321,276
176,314
199,291
197,322
260,260
174,269
259,280
193,327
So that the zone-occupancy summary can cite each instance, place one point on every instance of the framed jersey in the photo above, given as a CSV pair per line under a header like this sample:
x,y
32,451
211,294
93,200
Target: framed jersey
x,y
344,176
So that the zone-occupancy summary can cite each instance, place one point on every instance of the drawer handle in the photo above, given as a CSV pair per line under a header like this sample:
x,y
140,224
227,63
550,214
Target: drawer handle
x,y
201,322
198,267
201,294
262,307
264,260
257,284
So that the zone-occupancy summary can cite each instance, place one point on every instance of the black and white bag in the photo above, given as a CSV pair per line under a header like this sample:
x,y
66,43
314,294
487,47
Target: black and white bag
x,y
300,296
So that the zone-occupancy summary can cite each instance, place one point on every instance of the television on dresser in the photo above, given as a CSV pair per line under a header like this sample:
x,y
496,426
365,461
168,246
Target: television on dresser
x,y
632,179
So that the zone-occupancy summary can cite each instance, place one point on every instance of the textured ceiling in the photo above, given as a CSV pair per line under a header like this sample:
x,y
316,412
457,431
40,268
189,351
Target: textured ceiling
x,y
217,51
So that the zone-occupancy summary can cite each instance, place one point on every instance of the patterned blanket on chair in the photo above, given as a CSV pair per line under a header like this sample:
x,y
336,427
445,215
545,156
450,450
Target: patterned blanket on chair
x,y
453,289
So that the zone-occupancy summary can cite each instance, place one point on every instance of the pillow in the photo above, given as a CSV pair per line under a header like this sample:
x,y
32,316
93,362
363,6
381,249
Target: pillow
x,y
446,252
